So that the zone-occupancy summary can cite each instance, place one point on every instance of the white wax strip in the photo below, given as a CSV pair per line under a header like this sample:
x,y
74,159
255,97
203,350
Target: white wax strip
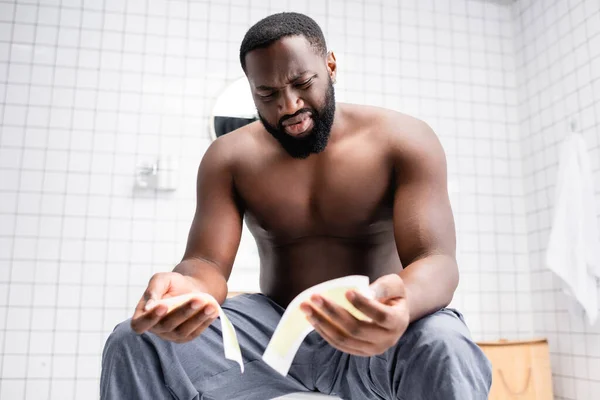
x,y
293,326
230,342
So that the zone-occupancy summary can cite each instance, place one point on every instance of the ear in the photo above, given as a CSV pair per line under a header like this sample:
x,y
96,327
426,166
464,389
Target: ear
x,y
331,65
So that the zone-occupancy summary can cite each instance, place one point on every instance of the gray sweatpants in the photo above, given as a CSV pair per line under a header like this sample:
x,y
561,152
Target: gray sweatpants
x,y
434,359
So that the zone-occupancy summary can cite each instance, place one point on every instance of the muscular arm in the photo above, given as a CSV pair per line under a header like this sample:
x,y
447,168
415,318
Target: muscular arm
x,y
217,225
423,221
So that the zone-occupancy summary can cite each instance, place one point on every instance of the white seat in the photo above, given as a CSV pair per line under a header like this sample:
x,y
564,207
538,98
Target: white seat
x,y
306,396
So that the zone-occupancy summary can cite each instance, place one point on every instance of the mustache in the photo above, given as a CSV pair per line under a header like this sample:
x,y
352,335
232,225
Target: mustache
x,y
300,111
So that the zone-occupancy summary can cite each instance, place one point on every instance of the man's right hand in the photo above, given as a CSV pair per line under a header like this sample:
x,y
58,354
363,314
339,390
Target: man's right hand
x,y
182,324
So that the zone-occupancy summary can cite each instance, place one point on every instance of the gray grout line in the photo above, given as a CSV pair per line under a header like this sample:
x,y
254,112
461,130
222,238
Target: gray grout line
x,y
85,221
37,245
110,218
61,239
12,250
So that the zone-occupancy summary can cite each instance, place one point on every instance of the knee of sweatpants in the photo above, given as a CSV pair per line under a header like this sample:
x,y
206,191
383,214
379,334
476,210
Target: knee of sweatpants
x,y
124,349
131,367
121,340
116,359
445,357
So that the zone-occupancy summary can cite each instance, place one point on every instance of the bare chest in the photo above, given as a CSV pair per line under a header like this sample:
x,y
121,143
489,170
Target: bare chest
x,y
339,196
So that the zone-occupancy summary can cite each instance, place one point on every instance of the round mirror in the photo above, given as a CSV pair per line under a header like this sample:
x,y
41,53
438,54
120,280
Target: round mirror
x,y
233,109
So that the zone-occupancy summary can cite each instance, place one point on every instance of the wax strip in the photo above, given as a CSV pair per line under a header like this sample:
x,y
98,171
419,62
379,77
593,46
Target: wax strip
x,y
293,326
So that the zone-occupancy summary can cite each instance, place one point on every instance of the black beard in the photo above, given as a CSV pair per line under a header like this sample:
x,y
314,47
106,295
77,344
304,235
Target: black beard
x,y
317,140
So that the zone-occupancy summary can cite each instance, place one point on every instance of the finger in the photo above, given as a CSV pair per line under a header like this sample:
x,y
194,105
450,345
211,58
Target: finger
x,y
139,308
157,286
388,287
146,320
337,335
202,327
178,336
342,345
179,315
380,314
340,317
201,319
336,314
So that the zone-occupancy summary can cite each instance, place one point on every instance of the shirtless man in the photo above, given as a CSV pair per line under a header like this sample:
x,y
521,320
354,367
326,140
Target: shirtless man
x,y
328,190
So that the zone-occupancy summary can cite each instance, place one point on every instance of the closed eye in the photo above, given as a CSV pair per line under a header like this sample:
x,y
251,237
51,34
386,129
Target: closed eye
x,y
266,96
306,84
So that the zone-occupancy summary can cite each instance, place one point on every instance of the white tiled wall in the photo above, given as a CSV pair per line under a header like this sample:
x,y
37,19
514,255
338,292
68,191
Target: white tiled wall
x,y
558,59
89,89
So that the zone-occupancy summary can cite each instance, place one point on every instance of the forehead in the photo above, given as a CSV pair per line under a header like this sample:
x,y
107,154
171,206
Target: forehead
x,y
281,60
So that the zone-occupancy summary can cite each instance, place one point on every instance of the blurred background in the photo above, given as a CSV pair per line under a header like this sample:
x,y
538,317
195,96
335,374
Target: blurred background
x,y
106,109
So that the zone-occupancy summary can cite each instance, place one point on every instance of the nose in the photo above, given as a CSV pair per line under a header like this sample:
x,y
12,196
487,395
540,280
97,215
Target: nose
x,y
290,102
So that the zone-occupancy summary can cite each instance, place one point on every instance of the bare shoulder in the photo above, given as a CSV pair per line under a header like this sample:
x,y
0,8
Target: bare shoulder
x,y
230,149
390,125
408,140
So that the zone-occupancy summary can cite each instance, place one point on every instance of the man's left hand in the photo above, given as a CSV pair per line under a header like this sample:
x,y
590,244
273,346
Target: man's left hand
x,y
388,311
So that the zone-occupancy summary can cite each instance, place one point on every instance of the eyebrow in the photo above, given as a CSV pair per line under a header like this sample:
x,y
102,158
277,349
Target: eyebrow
x,y
295,78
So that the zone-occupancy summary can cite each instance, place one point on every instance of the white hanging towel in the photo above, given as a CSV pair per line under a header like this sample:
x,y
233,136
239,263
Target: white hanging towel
x,y
574,247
